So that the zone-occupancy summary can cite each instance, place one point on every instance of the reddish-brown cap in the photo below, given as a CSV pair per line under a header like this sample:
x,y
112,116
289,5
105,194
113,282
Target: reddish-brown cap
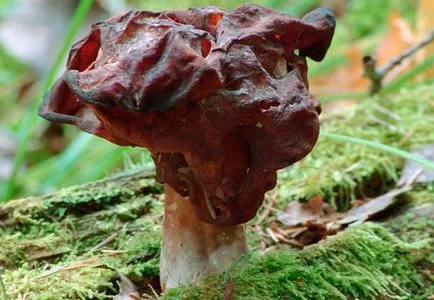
x,y
219,98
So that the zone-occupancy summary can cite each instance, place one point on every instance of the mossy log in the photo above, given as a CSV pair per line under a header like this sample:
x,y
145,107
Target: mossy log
x,y
74,243
53,246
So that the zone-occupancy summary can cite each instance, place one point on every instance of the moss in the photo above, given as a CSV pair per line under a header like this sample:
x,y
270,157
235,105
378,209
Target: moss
x,y
84,271
364,262
80,200
414,222
78,284
55,246
341,172
74,235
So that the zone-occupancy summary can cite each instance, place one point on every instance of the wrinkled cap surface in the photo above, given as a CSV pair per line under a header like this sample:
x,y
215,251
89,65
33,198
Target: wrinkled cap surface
x,y
219,98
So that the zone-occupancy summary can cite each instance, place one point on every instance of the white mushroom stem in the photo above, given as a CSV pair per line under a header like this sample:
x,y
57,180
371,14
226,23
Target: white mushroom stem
x,y
191,248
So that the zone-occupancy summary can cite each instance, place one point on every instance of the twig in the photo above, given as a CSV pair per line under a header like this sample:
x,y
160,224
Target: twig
x,y
268,209
113,252
376,75
386,112
108,240
272,235
284,240
384,123
154,292
73,266
413,177
352,167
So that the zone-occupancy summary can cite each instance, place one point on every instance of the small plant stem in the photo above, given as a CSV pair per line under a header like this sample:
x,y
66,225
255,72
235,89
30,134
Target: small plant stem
x,y
377,74
395,151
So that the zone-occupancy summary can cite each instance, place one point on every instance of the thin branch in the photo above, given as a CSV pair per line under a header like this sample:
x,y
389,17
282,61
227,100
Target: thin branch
x,y
267,210
386,112
407,53
377,74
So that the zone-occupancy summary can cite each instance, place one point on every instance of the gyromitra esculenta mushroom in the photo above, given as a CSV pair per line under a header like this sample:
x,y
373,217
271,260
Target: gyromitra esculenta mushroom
x,y
221,101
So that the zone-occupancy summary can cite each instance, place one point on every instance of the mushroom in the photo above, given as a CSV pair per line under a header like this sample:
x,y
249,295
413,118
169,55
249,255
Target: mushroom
x,y
221,101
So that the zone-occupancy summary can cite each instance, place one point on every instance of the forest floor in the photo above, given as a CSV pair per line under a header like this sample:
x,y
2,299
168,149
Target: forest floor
x,y
87,241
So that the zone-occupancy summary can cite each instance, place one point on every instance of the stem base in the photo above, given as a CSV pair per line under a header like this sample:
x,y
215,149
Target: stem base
x,y
191,248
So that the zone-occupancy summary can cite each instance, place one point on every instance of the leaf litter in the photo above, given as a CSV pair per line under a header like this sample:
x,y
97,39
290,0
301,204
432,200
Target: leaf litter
x,y
302,224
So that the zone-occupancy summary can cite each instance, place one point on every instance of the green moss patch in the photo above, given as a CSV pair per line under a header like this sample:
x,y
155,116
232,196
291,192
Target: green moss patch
x,y
341,172
71,244
85,269
364,262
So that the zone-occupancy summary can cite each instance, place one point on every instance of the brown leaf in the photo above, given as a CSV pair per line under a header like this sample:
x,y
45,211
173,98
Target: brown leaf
x,y
313,234
399,37
372,208
344,79
414,172
127,289
297,213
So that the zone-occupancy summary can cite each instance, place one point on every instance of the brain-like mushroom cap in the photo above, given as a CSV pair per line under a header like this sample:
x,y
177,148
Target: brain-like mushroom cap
x,y
219,98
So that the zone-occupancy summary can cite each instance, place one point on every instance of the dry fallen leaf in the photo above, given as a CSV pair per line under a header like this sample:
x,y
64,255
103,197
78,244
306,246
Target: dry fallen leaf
x,y
127,289
308,223
305,223
414,172
399,37
372,208
344,79
297,213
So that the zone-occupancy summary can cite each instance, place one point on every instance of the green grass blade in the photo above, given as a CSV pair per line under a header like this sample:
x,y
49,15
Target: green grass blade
x,y
395,151
66,160
2,286
30,117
